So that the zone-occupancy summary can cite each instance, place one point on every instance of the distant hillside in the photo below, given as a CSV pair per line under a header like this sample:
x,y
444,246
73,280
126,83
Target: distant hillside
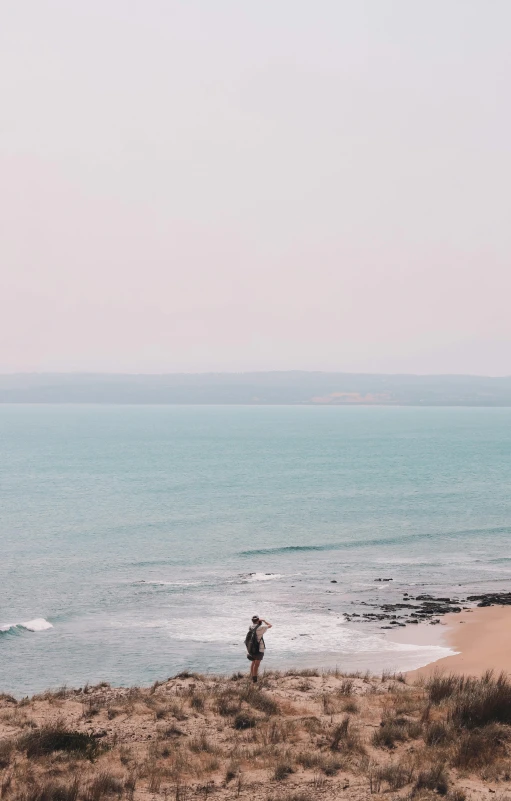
x,y
292,387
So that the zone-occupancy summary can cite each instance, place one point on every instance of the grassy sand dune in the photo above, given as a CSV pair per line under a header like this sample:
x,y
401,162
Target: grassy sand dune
x,y
293,737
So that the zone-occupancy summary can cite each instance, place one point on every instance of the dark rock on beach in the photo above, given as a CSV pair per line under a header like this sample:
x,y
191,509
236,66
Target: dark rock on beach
x,y
491,599
423,608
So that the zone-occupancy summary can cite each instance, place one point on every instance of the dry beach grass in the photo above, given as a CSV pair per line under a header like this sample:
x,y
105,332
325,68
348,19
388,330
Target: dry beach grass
x,y
296,736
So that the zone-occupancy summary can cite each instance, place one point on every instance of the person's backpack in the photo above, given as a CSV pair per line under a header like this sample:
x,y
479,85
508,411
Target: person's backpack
x,y
251,641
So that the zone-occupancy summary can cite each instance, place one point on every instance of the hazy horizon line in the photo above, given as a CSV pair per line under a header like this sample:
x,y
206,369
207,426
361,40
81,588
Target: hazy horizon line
x,y
244,372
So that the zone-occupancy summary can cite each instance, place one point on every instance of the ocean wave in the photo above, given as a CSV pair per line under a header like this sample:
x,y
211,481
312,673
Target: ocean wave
x,y
292,549
371,543
38,624
336,546
487,530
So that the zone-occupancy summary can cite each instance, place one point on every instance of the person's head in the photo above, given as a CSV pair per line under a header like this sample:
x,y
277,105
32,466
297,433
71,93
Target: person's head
x,y
256,619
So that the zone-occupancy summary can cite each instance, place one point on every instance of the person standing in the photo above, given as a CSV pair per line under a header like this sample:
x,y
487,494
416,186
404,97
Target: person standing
x,y
255,644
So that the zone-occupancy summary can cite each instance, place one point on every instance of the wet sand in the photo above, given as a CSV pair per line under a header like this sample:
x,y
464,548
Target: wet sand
x,y
481,637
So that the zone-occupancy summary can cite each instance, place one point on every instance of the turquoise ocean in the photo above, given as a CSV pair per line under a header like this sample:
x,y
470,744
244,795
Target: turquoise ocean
x,y
137,541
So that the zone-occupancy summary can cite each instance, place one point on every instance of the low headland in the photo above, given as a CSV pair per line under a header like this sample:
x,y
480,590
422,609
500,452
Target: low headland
x,y
294,736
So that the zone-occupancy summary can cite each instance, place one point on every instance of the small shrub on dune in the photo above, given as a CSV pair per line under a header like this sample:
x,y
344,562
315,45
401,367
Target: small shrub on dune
x,y
49,739
434,778
386,736
154,778
347,686
308,672
309,759
326,763
282,771
231,772
457,794
346,738
497,771
439,686
60,693
481,702
244,721
177,711
391,675
473,702
18,719
198,701
405,702
312,725
201,744
437,733
260,701
395,729
395,776
173,731
125,755
130,783
51,791
330,766
479,747
277,732
227,704
329,707
104,784
91,707
6,749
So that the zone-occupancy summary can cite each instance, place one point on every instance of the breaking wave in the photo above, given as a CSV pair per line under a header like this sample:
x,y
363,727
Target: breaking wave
x,y
38,624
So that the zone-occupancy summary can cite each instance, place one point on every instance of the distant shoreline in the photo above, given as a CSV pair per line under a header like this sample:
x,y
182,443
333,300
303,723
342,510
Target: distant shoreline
x,y
278,388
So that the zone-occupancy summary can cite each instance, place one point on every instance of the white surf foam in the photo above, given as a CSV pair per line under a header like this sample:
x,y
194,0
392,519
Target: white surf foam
x,y
308,635
262,576
38,624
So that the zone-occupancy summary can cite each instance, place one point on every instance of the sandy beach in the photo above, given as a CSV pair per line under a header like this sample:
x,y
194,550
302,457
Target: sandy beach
x,y
481,637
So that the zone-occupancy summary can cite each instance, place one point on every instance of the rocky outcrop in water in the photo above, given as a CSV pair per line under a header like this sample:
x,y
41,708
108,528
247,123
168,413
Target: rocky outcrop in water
x,y
423,608
491,599
412,609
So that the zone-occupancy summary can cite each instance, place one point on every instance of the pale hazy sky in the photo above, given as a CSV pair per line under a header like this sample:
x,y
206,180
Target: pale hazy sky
x,y
235,185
